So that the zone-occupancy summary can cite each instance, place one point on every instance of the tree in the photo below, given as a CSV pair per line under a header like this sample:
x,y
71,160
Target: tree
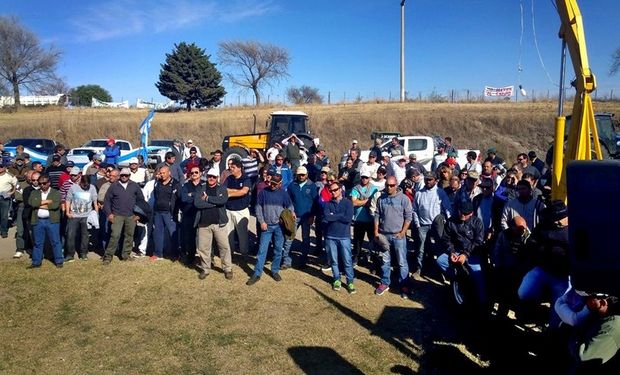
x,y
304,95
190,77
258,64
83,95
23,62
53,87
615,62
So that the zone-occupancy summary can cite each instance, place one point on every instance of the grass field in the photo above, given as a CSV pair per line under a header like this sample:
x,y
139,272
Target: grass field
x,y
510,127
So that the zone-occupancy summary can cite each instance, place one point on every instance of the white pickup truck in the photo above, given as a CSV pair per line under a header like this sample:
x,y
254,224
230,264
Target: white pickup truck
x,y
79,155
424,148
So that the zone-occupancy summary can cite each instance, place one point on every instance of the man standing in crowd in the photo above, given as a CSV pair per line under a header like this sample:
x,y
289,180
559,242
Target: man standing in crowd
x,y
166,193
250,165
189,211
45,219
321,159
175,168
415,164
283,170
495,159
80,201
54,170
193,160
238,187
536,162
292,151
19,168
112,152
392,219
59,150
270,204
211,219
118,205
524,162
524,205
20,235
396,146
337,215
371,165
188,148
139,175
27,214
429,202
8,185
216,158
303,194
364,223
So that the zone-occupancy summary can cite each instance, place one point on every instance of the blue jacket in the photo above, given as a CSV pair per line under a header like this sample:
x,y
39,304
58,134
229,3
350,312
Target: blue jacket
x,y
270,204
112,154
304,199
337,217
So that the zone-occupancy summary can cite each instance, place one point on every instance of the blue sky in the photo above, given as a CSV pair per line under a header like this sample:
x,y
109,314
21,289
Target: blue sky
x,y
349,48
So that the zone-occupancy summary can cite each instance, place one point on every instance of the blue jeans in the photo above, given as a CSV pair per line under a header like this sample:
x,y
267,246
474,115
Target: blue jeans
x,y
400,247
538,284
420,240
164,223
42,228
305,238
274,231
5,208
342,246
476,274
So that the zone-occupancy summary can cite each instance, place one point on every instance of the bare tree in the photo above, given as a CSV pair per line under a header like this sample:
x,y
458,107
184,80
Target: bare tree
x,y
54,86
304,95
23,62
257,64
615,62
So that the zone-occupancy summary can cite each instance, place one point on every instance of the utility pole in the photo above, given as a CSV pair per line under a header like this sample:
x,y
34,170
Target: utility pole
x,y
402,50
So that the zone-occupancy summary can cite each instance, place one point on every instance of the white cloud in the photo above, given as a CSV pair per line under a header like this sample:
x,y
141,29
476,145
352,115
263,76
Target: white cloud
x,y
131,17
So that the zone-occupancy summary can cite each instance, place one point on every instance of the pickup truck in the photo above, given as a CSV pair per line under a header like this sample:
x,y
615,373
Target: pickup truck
x,y
424,147
80,154
38,149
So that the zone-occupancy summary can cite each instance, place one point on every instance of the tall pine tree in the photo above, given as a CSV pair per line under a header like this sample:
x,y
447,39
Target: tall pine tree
x,y
189,77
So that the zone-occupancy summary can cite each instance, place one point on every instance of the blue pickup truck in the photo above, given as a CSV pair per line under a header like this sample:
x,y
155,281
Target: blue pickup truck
x,y
38,149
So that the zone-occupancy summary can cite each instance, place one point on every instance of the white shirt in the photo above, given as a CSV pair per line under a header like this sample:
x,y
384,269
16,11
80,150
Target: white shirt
x,y
8,182
43,213
371,168
139,176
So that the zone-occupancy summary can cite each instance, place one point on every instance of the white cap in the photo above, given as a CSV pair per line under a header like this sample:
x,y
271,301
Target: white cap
x,y
190,141
385,153
133,161
365,173
354,141
301,170
212,172
125,171
75,171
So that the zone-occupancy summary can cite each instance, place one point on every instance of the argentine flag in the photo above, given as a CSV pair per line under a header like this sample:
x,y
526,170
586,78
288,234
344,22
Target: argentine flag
x,y
145,130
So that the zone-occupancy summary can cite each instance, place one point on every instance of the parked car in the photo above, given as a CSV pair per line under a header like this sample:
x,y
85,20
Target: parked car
x,y
38,149
79,155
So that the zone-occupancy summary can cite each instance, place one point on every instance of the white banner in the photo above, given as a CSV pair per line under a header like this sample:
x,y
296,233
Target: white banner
x,y
99,104
33,100
142,104
498,91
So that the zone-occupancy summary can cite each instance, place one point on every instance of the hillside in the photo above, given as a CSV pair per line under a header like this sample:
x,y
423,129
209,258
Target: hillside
x,y
510,127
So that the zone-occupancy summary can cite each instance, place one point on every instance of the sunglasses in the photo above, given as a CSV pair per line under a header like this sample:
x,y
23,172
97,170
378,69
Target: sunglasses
x,y
334,190
365,177
124,175
390,185
273,183
44,183
195,172
211,176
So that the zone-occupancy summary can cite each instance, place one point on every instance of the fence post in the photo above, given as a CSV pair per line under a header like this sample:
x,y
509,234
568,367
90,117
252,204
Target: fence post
x,y
611,95
329,97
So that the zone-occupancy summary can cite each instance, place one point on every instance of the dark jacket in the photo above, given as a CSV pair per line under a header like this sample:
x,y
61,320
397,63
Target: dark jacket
x,y
463,237
188,192
304,199
337,217
218,201
121,201
34,200
159,193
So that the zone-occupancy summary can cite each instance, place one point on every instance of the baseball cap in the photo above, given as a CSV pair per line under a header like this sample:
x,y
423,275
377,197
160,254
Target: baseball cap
x,y
466,207
190,141
75,171
20,157
492,150
430,176
70,164
301,170
473,175
56,158
413,156
372,155
212,172
450,161
126,171
133,161
326,169
385,153
354,141
365,173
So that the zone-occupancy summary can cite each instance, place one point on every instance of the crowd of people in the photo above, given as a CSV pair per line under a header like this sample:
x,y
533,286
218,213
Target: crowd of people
x,y
488,219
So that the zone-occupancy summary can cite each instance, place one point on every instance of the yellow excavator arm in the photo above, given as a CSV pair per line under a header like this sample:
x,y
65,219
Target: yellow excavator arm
x,y
583,134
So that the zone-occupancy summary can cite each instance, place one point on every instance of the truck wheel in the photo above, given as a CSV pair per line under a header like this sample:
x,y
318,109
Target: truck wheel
x,y
232,153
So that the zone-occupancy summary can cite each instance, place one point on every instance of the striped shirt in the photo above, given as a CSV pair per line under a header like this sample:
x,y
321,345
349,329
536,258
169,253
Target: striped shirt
x,y
250,167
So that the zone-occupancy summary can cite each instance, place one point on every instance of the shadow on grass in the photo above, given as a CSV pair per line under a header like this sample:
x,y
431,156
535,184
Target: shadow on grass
x,y
319,360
